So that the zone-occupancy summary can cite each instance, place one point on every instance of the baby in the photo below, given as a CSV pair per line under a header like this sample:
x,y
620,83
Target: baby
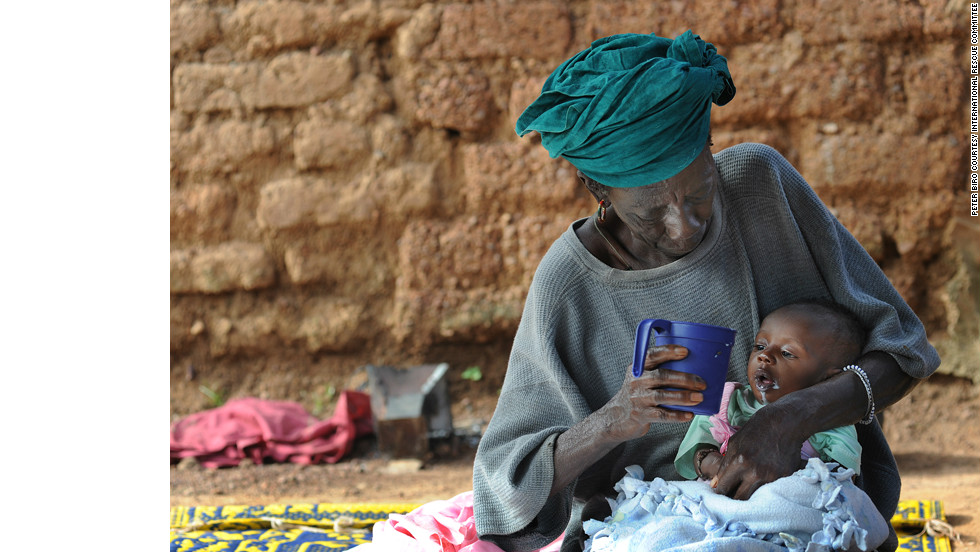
x,y
798,345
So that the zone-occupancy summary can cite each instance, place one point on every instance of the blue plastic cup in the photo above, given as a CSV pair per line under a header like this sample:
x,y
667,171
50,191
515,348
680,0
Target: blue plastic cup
x,y
709,348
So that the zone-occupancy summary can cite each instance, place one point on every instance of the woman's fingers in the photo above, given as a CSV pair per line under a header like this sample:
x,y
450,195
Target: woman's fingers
x,y
657,396
659,354
747,466
658,389
737,484
658,377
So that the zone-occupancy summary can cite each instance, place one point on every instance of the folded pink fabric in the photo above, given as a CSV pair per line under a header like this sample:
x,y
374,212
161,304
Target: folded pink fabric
x,y
281,431
440,526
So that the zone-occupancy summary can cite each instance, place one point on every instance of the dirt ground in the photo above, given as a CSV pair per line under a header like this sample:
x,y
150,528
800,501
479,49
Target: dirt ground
x,y
933,433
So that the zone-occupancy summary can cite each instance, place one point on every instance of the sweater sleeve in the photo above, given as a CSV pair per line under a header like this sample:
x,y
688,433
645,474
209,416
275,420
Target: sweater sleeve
x,y
514,466
856,281
825,259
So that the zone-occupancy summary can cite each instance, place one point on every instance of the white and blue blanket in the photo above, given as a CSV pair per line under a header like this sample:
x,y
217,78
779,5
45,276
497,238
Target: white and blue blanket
x,y
816,509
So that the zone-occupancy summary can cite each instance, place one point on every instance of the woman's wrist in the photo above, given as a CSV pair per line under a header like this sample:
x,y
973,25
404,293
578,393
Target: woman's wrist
x,y
579,447
866,382
794,417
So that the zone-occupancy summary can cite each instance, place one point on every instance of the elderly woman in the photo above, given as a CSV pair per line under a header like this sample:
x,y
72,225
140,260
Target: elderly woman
x,y
679,234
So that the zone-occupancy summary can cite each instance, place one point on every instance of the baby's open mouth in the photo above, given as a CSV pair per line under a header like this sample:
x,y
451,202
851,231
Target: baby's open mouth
x,y
763,381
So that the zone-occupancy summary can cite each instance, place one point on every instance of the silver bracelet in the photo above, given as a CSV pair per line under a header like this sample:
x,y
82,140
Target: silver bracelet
x,y
870,415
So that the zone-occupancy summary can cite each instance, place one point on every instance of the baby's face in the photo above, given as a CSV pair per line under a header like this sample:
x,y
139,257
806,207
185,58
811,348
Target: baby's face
x,y
793,350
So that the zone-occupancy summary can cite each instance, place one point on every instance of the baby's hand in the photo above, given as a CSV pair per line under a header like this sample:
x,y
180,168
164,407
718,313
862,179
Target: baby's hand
x,y
709,466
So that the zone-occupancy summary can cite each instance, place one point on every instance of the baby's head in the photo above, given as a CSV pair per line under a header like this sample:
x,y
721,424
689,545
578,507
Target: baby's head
x,y
801,344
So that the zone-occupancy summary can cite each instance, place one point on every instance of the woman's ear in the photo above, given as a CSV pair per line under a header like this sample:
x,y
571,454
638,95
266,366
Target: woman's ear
x,y
597,190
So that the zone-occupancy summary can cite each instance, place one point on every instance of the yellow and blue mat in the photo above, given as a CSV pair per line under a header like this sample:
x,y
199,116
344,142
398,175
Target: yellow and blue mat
x,y
276,527
921,526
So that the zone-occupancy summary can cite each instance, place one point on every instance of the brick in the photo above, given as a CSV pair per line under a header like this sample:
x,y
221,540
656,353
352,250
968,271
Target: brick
x,y
332,325
332,259
788,81
418,32
404,192
292,25
227,267
249,333
326,144
367,21
915,225
480,315
304,266
872,20
940,19
934,83
499,176
399,193
206,86
901,181
535,235
222,147
424,317
391,139
283,24
201,213
181,276
299,79
475,252
421,262
453,96
867,227
522,93
290,202
458,254
192,29
764,89
840,81
295,79
367,99
540,30
879,164
350,204
731,22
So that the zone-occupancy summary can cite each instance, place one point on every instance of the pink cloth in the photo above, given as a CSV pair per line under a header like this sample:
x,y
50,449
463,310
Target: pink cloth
x,y
440,526
721,430
280,430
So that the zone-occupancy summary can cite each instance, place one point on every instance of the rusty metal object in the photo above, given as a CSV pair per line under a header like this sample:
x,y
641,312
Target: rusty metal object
x,y
410,406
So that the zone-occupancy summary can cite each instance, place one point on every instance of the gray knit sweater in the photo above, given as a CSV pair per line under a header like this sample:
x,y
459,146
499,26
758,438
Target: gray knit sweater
x,y
770,242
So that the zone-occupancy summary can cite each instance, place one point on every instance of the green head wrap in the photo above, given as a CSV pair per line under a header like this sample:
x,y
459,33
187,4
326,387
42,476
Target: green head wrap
x,y
631,109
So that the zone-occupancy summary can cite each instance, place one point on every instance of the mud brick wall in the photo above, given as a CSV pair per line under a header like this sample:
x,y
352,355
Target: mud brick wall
x,y
347,188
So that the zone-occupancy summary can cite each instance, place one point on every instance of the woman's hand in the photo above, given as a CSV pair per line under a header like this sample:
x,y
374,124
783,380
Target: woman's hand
x,y
641,400
767,447
628,415
748,465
